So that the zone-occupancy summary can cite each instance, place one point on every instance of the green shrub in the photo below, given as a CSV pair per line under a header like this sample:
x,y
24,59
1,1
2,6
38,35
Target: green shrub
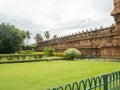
x,y
2,56
42,53
10,57
72,53
20,56
17,57
23,57
25,52
59,54
37,56
49,51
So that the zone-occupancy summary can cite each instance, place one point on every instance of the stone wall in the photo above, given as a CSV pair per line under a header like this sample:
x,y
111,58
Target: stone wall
x,y
102,42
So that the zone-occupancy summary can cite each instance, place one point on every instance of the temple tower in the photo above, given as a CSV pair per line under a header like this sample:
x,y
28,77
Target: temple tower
x,y
116,14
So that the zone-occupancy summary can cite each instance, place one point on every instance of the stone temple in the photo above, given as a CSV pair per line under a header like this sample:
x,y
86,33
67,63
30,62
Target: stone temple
x,y
102,42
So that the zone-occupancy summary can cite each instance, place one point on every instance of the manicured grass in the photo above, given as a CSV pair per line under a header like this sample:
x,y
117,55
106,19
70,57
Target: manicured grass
x,y
42,75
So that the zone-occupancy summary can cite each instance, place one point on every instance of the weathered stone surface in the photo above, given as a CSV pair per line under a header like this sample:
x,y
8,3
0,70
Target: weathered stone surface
x,y
103,42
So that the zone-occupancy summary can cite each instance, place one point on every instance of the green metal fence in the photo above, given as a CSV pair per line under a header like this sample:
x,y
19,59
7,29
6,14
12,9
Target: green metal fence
x,y
109,81
105,58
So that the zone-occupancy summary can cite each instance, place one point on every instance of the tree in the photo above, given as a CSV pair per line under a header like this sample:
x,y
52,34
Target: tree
x,y
49,51
11,38
47,35
38,37
72,53
33,45
28,36
55,36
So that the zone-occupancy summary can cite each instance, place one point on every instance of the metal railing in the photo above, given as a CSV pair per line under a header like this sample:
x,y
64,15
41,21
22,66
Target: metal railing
x,y
105,58
109,81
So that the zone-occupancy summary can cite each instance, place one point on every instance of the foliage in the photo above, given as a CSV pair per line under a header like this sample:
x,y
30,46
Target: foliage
x,y
55,36
27,57
72,53
33,45
25,52
15,57
59,54
49,51
11,38
28,36
39,53
47,34
38,37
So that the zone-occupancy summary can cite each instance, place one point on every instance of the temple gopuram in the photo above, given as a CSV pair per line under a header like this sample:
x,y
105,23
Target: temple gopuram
x,y
102,42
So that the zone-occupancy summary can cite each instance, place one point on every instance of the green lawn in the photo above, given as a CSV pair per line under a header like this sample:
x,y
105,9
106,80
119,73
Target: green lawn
x,y
42,75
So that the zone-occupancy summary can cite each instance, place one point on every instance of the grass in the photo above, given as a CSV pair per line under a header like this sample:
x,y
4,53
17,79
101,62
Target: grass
x,y
42,75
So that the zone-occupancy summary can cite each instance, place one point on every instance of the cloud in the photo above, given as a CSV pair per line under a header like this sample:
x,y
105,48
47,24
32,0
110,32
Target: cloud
x,y
81,25
58,16
102,8
24,24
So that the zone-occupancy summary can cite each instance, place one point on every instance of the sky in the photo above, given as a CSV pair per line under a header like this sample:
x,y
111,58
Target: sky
x,y
59,17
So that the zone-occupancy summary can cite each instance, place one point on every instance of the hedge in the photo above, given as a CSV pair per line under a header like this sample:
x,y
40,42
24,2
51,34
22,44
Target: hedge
x,y
20,56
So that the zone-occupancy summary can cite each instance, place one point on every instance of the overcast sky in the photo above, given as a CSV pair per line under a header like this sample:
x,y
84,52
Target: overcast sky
x,y
60,17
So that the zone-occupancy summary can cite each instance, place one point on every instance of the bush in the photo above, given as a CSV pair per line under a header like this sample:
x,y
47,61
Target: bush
x,y
37,56
59,54
25,52
16,57
49,51
72,53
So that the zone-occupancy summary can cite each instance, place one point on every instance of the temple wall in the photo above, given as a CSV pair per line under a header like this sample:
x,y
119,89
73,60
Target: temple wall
x,y
102,42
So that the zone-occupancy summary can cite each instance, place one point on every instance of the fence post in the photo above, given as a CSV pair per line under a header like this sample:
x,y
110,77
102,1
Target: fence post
x,y
119,77
105,81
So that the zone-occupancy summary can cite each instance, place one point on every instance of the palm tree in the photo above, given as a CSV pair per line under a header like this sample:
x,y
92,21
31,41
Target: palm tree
x,y
28,36
47,35
38,37
55,36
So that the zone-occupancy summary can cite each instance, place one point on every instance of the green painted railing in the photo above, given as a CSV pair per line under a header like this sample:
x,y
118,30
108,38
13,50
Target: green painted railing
x,y
109,81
